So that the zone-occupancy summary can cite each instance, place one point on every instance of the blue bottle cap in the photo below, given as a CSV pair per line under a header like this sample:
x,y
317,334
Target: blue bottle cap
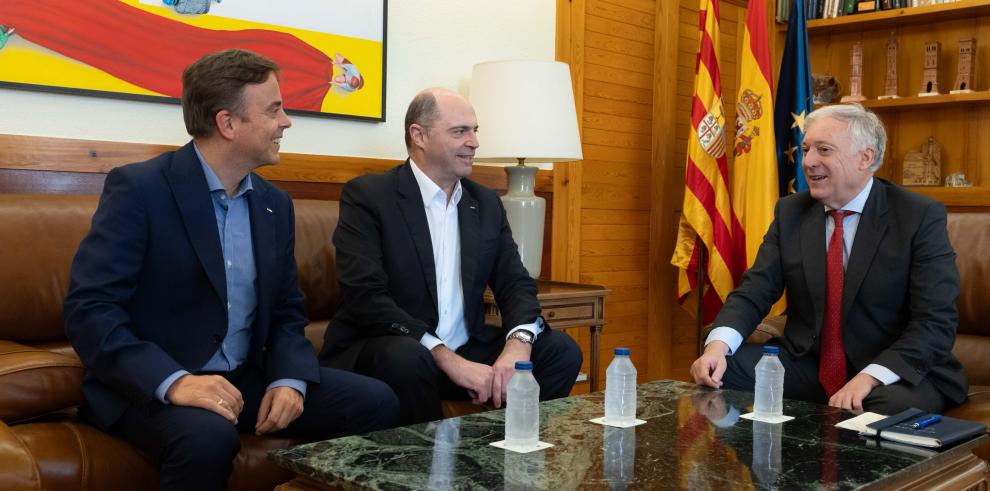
x,y
771,349
524,365
622,351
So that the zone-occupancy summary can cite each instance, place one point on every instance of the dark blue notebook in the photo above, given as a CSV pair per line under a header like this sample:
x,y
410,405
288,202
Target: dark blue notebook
x,y
898,428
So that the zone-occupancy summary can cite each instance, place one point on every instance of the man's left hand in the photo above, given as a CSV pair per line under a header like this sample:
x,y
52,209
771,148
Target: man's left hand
x,y
514,350
851,395
279,407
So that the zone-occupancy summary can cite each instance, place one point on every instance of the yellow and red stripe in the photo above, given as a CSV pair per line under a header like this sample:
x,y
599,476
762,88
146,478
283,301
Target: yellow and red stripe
x,y
707,219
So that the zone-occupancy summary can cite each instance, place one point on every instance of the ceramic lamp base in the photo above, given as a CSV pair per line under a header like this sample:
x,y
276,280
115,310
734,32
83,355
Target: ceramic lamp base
x,y
525,212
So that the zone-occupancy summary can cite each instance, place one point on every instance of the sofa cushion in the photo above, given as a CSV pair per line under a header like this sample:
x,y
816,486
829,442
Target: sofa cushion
x,y
18,469
315,223
40,235
35,382
972,352
969,233
73,456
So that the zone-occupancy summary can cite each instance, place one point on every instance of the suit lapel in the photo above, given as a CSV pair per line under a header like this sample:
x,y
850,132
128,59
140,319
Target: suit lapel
x,y
192,196
410,202
470,229
872,226
813,256
263,232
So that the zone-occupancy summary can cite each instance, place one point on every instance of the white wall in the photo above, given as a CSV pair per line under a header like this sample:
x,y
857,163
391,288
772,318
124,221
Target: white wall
x,y
430,43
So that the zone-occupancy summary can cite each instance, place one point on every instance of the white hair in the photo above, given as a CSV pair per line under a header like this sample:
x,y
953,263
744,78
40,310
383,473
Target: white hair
x,y
865,128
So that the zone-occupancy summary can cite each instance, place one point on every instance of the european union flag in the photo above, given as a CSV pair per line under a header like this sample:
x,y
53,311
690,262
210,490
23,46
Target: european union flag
x,y
794,102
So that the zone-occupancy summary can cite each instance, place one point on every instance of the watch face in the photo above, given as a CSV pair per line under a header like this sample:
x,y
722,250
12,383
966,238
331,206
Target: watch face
x,y
523,336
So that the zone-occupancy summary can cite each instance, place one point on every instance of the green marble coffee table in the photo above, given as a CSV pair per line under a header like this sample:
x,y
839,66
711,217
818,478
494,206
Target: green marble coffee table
x,y
693,439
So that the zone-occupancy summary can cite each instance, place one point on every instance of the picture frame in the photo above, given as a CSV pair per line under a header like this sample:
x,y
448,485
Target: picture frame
x,y
331,52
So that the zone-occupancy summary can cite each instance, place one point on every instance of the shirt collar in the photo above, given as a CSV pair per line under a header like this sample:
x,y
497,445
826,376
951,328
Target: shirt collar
x,y
429,189
859,202
214,182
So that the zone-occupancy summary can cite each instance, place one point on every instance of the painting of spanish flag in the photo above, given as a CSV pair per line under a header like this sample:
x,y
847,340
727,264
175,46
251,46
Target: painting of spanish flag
x,y
332,52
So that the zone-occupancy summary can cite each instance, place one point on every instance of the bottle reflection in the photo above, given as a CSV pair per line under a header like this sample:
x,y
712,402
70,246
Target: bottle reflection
x,y
523,470
620,456
445,443
766,453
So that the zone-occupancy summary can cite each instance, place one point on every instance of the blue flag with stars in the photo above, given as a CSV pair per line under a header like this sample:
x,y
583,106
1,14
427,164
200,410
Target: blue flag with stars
x,y
793,104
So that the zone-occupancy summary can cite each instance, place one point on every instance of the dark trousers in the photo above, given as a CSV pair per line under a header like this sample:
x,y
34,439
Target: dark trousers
x,y
801,382
408,368
196,447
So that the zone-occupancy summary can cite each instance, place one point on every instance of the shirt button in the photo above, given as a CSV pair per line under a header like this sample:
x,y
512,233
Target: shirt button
x,y
229,264
228,305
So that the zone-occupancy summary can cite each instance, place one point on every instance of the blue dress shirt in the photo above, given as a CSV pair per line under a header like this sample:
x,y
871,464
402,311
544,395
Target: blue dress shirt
x,y
234,227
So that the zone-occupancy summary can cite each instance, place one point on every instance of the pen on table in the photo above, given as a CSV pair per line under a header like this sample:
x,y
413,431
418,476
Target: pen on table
x,y
926,422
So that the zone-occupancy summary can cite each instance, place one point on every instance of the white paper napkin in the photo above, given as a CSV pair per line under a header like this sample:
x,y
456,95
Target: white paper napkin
x,y
766,419
601,421
521,449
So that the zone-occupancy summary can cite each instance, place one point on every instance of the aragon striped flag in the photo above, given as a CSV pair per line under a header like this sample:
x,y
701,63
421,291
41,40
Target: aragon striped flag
x,y
754,167
707,224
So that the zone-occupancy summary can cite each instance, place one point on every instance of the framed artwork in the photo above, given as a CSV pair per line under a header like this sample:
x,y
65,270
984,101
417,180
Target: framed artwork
x,y
331,52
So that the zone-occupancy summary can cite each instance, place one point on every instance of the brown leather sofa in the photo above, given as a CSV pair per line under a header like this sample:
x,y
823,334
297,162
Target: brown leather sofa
x,y
42,445
968,233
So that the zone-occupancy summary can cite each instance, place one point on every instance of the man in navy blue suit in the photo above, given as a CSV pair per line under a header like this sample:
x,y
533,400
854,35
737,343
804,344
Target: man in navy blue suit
x,y
184,302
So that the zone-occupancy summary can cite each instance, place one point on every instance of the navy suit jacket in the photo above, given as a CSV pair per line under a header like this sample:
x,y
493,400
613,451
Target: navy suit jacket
x,y
387,274
900,291
147,292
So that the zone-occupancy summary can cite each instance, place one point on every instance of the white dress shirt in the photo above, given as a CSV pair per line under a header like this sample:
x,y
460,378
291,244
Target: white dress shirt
x,y
850,224
445,236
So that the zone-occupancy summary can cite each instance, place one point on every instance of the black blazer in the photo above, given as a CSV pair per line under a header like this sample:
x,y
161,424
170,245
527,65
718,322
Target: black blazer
x,y
386,271
901,286
147,294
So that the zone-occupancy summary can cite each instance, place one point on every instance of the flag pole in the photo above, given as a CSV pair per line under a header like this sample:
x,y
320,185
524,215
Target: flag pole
x,y
699,321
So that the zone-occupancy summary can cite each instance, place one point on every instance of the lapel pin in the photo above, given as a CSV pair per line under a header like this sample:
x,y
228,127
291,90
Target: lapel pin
x,y
269,210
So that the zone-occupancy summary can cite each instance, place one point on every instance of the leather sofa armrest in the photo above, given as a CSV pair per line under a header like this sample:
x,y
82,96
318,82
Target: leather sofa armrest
x,y
18,467
35,382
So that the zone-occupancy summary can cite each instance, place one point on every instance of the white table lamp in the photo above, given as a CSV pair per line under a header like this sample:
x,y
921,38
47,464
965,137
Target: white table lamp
x,y
525,111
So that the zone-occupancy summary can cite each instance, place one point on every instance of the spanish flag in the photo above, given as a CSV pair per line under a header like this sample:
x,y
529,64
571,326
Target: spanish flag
x,y
754,168
707,223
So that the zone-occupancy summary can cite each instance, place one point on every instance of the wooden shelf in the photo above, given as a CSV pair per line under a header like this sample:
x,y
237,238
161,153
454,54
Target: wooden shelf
x,y
886,19
971,196
915,102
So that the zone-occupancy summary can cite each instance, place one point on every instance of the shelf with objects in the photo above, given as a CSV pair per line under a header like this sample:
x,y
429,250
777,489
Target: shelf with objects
x,y
930,51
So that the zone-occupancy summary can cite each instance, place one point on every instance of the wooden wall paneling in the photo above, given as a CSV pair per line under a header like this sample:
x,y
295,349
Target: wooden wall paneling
x,y
616,171
566,257
662,276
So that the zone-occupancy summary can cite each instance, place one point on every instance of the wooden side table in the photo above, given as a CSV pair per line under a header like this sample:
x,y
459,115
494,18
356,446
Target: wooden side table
x,y
566,305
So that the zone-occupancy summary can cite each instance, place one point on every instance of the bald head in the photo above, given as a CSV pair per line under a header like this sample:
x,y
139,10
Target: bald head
x,y
441,135
425,108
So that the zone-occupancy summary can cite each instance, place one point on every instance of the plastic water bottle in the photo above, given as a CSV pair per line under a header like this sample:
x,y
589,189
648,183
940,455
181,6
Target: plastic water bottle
x,y
522,407
620,389
769,384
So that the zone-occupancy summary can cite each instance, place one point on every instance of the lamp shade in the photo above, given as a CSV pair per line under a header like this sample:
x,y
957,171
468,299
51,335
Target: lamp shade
x,y
525,110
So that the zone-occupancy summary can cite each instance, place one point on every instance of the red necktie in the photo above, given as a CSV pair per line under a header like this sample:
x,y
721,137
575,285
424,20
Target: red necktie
x,y
832,360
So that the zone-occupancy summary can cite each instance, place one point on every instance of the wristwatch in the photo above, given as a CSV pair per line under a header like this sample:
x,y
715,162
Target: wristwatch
x,y
522,335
